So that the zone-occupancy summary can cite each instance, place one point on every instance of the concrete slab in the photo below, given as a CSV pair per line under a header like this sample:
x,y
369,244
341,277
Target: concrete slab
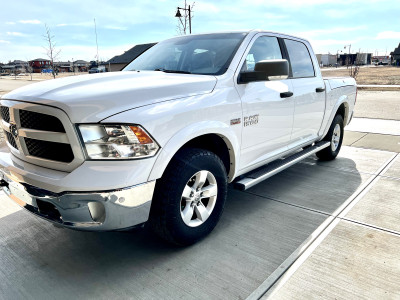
x,y
319,188
379,141
9,84
378,104
354,160
380,206
353,262
374,126
254,237
7,207
394,170
352,136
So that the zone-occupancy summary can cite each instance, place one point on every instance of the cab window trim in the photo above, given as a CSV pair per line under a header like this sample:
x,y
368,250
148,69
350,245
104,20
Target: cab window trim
x,y
290,63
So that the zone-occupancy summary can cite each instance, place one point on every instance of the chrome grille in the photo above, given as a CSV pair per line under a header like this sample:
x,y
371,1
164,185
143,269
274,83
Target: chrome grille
x,y
5,113
34,120
11,139
49,150
41,135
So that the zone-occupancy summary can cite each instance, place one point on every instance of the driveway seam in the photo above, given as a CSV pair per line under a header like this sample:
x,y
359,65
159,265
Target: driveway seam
x,y
279,277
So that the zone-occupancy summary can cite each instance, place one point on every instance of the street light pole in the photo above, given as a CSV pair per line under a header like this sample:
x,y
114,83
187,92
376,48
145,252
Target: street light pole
x,y
178,15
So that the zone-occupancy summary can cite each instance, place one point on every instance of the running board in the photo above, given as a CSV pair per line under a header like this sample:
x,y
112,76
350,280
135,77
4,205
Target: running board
x,y
265,172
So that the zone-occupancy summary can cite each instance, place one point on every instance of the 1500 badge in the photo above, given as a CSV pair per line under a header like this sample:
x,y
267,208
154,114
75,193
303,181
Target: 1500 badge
x,y
250,120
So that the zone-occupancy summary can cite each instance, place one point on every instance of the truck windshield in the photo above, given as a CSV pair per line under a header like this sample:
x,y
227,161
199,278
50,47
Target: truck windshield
x,y
208,54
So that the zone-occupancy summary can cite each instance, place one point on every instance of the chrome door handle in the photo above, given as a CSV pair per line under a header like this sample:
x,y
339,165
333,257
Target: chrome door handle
x,y
286,94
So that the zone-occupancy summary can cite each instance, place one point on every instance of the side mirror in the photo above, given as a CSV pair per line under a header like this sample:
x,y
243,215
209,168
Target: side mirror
x,y
266,70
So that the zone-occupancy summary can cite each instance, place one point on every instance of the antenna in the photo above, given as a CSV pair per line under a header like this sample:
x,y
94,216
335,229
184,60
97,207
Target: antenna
x,y
97,45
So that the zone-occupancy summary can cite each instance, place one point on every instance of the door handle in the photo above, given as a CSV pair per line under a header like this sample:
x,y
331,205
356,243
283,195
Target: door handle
x,y
286,94
320,90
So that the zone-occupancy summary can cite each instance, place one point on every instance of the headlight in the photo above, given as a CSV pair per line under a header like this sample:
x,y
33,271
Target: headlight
x,y
117,141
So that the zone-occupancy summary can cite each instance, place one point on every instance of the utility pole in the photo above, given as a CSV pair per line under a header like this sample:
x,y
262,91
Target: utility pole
x,y
97,45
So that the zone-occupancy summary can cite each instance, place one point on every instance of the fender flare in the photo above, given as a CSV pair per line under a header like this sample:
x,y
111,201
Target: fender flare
x,y
189,133
342,100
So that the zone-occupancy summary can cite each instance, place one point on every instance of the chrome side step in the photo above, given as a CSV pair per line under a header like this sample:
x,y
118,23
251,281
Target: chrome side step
x,y
260,174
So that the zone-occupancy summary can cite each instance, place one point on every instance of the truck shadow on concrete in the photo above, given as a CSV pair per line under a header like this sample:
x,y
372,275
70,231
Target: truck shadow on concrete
x,y
259,229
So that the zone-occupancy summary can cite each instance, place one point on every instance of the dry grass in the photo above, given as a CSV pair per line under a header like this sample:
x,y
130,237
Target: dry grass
x,y
386,75
40,76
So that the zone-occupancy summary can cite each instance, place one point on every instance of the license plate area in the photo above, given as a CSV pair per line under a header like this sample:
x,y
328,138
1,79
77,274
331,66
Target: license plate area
x,y
18,193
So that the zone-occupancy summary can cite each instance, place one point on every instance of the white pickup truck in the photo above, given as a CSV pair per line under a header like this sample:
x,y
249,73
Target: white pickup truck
x,y
159,142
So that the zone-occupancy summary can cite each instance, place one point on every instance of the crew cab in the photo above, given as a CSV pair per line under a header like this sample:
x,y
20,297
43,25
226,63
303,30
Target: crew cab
x,y
159,142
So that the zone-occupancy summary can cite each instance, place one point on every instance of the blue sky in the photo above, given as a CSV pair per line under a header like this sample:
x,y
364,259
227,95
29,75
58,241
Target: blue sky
x,y
329,24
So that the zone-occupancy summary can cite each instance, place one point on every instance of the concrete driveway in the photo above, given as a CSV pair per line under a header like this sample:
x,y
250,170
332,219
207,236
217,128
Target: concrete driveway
x,y
261,233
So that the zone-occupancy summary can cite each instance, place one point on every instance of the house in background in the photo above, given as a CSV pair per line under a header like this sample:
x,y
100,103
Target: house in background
x,y
14,67
80,65
39,64
396,56
117,63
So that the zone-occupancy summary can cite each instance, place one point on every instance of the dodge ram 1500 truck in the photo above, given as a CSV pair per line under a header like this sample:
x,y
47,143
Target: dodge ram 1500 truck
x,y
159,142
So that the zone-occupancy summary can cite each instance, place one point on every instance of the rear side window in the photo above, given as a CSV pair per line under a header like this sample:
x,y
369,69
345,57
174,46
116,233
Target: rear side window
x,y
299,59
264,48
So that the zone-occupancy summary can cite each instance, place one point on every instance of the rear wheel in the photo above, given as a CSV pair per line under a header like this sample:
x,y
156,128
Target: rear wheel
x,y
190,197
335,136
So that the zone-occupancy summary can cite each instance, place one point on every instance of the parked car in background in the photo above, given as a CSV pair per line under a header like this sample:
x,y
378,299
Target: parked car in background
x,y
99,69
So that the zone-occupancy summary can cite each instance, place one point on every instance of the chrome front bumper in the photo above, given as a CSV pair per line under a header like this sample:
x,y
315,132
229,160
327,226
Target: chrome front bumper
x,y
91,211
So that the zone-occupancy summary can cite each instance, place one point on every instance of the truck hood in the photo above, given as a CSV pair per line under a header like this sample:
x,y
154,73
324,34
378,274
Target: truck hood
x,y
92,98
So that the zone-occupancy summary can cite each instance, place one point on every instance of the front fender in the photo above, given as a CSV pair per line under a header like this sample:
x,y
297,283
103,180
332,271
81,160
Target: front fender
x,y
190,132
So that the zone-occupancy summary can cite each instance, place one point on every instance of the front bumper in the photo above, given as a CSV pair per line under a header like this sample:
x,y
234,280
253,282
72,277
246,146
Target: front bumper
x,y
91,211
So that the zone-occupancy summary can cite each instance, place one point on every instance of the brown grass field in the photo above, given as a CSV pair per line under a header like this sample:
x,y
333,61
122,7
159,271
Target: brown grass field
x,y
386,75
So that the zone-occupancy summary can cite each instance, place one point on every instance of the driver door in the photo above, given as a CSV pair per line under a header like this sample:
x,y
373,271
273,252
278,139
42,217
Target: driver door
x,y
267,116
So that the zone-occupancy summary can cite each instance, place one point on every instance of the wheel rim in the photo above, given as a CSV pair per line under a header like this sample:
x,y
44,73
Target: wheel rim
x,y
335,138
198,198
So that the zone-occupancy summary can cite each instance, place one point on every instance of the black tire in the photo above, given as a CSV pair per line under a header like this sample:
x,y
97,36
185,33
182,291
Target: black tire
x,y
165,215
329,153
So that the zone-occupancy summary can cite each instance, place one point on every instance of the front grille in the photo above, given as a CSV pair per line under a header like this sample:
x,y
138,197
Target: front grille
x,y
49,150
11,139
34,120
5,113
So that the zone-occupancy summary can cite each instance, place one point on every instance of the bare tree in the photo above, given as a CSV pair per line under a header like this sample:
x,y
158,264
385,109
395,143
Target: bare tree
x,y
51,50
29,68
185,19
355,69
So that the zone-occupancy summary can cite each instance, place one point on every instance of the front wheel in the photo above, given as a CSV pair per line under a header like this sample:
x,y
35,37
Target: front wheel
x,y
190,197
335,136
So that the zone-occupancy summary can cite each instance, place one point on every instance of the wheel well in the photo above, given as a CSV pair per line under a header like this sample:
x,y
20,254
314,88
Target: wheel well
x,y
342,111
215,144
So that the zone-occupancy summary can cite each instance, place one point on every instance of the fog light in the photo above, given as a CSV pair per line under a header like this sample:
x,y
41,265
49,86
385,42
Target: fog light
x,y
97,211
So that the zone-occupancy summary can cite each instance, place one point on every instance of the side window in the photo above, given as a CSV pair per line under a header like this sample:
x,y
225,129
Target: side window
x,y
264,48
299,59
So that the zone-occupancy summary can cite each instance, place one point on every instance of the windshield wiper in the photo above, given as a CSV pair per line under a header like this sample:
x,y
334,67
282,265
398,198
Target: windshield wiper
x,y
172,71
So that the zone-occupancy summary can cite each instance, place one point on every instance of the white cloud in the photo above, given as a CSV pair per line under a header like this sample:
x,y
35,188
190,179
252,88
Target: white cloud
x,y
16,33
10,23
204,7
83,24
4,42
388,35
324,32
30,21
275,16
116,27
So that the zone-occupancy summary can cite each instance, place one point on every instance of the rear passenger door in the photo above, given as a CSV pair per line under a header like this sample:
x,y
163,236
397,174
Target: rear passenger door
x,y
309,93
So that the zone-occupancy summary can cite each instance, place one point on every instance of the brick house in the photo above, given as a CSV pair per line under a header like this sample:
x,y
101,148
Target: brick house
x,y
40,64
